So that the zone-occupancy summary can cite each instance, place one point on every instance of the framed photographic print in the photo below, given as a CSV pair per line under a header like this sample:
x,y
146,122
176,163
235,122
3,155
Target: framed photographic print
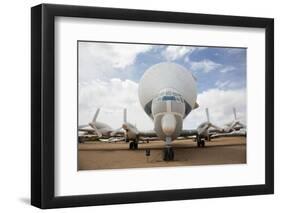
x,y
141,106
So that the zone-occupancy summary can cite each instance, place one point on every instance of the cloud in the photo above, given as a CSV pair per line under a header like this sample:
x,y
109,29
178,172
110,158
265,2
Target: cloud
x,y
107,60
227,69
205,65
220,104
112,97
117,55
172,53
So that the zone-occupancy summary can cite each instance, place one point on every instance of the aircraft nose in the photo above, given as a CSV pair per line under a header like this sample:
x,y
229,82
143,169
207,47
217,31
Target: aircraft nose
x,y
168,124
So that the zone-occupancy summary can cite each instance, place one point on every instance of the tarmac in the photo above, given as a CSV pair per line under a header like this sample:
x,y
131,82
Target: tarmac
x,y
104,155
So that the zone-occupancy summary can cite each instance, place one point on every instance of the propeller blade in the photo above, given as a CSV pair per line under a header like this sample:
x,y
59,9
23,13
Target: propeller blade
x,y
234,113
125,115
96,115
96,130
207,114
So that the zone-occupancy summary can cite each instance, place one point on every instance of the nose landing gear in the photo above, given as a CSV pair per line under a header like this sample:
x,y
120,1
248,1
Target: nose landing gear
x,y
168,154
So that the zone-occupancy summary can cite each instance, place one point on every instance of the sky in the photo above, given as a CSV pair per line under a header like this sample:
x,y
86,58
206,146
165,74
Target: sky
x,y
109,74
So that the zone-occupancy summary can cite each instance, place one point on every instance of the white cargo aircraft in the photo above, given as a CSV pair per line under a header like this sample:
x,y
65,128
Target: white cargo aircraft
x,y
204,130
167,93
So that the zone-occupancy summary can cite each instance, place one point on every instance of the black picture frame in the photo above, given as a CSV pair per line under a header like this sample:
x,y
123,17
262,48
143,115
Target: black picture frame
x,y
43,105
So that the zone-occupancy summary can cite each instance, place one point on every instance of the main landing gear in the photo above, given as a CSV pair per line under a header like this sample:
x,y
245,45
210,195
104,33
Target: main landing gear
x,y
133,145
200,141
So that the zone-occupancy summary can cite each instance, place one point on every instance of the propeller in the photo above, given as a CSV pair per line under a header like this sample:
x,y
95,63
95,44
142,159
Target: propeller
x,y
124,125
231,126
209,124
236,122
207,114
125,115
93,123
234,113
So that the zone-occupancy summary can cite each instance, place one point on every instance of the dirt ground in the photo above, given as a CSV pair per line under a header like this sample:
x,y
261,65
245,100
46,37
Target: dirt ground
x,y
102,155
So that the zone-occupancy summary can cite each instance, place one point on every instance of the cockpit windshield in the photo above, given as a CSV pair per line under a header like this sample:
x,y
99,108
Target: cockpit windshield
x,y
169,96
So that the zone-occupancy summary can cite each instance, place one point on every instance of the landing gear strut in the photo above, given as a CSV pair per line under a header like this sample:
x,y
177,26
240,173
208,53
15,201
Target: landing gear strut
x,y
133,145
168,154
200,142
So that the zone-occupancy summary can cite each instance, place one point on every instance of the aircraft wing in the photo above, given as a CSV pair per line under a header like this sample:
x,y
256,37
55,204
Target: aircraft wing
x,y
231,134
184,133
148,134
214,131
87,130
112,140
189,132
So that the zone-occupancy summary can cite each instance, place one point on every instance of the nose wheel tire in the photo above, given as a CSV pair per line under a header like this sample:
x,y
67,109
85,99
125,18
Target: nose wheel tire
x,y
168,154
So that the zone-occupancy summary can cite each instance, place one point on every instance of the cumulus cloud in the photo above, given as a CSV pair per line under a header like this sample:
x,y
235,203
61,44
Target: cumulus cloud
x,y
112,97
103,60
220,104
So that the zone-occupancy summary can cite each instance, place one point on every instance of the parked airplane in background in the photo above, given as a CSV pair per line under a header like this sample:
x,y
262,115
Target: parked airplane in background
x,y
98,128
234,125
204,130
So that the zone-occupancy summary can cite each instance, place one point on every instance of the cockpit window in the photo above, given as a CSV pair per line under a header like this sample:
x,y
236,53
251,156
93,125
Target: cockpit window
x,y
168,98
